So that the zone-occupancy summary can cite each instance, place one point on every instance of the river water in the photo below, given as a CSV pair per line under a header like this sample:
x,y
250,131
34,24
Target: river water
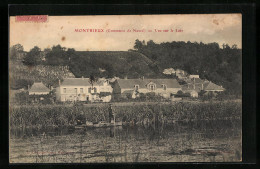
x,y
202,141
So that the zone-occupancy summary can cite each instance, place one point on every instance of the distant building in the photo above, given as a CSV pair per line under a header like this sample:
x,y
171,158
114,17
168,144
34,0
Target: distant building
x,y
133,87
180,71
169,71
212,88
181,74
80,89
194,76
197,84
39,89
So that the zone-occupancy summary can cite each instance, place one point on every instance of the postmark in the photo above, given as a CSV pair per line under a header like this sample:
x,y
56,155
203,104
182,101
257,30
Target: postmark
x,y
31,18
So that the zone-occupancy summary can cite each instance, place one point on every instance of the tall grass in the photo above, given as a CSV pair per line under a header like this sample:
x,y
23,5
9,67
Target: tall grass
x,y
64,115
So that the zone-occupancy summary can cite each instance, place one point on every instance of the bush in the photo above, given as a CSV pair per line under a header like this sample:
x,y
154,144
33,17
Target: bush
x,y
181,94
20,83
22,97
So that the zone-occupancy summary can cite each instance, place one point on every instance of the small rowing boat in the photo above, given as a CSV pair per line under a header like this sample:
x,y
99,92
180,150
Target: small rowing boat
x,y
103,124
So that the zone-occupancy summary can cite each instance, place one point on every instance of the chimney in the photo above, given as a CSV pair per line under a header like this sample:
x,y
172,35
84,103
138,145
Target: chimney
x,y
82,77
126,77
51,87
143,77
59,82
202,86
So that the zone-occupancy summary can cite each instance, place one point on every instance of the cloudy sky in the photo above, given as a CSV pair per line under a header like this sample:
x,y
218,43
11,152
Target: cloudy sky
x,y
206,28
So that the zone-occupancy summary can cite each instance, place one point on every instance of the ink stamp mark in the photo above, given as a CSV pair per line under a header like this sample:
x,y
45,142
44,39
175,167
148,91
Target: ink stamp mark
x,y
31,18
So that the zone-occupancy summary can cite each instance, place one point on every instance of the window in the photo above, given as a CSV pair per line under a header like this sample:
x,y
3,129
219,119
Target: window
x,y
152,87
164,87
64,90
81,90
136,87
75,90
89,90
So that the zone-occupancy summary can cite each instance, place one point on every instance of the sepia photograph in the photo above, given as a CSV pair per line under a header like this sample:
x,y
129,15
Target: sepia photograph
x,y
125,88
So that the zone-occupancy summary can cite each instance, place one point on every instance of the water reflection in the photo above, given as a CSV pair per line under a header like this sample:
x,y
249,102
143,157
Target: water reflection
x,y
201,141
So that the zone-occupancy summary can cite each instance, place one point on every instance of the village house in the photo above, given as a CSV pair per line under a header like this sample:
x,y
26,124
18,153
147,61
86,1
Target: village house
x,y
38,89
38,92
195,85
80,89
212,88
163,87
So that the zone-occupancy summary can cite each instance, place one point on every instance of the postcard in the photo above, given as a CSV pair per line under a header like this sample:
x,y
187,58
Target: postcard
x,y
125,88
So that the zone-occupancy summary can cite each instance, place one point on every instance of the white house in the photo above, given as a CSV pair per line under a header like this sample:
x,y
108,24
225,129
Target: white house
x,y
163,87
80,89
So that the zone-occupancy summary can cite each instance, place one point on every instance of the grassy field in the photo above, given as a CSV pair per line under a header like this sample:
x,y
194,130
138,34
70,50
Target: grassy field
x,y
64,115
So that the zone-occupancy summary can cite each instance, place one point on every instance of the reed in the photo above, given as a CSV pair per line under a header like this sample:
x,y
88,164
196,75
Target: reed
x,y
65,115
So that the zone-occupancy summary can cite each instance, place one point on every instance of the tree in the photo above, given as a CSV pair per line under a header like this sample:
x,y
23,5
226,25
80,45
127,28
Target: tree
x,y
33,57
138,44
151,43
15,50
92,80
58,56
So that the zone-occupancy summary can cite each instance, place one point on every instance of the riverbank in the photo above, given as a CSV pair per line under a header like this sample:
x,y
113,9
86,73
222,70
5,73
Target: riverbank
x,y
66,115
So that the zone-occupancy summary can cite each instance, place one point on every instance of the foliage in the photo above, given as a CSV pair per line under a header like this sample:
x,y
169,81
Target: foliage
x,y
181,94
15,50
113,63
92,80
20,83
21,97
21,76
33,57
58,56
48,115
222,66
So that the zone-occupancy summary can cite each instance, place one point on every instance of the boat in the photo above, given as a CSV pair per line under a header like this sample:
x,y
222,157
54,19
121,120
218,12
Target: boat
x,y
103,124
80,126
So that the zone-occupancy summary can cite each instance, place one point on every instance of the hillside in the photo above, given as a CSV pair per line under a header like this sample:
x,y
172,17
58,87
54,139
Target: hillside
x,y
21,75
113,63
222,66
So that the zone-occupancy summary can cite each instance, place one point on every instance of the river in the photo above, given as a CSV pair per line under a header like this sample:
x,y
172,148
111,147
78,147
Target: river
x,y
201,141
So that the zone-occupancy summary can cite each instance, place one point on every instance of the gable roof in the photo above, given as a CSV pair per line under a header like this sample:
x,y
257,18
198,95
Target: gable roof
x,y
196,80
206,85
212,86
190,87
39,87
79,82
129,83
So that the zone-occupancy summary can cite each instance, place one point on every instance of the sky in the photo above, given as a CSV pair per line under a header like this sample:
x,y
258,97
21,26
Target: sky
x,y
206,28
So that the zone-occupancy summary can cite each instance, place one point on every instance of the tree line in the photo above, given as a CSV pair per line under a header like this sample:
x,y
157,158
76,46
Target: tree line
x,y
222,66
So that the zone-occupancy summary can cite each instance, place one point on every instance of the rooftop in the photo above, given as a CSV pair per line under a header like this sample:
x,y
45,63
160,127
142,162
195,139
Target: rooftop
x,y
129,83
80,82
39,87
